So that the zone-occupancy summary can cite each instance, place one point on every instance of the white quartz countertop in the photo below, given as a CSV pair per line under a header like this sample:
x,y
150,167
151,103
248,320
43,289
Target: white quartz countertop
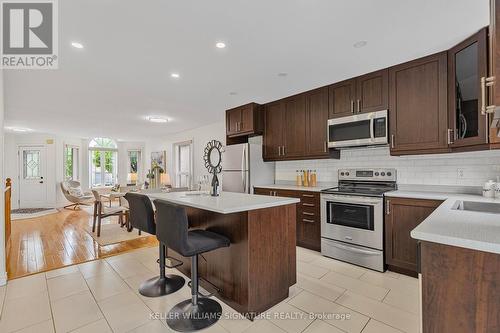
x,y
226,203
294,187
468,229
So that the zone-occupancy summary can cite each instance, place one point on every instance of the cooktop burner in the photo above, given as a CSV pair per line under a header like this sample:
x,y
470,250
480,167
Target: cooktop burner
x,y
364,182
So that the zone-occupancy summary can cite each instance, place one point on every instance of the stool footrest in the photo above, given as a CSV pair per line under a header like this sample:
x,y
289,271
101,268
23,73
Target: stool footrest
x,y
177,262
217,289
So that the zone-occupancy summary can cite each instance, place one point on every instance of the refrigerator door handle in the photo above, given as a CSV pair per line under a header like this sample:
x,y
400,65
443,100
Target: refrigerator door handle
x,y
244,168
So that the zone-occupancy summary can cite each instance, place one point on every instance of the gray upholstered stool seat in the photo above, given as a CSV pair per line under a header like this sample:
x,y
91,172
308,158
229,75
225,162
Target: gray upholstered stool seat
x,y
199,312
142,217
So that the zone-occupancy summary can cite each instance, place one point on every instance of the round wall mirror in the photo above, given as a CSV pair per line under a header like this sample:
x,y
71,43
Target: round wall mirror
x,y
213,156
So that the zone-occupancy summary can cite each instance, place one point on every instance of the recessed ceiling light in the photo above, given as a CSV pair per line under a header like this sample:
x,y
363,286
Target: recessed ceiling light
x,y
220,45
77,45
19,129
359,44
282,74
233,93
157,120
175,75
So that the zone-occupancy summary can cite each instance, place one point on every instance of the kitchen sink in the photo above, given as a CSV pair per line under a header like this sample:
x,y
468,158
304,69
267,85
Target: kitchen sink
x,y
476,206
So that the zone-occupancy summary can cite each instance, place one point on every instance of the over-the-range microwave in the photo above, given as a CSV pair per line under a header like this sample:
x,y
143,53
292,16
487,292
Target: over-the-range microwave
x,y
364,129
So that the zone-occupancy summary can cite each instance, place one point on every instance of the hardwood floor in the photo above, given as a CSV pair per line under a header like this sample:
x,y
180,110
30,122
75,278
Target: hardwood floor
x,y
57,240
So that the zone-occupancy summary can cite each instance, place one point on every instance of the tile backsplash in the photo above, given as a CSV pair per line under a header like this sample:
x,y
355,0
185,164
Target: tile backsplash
x,y
465,169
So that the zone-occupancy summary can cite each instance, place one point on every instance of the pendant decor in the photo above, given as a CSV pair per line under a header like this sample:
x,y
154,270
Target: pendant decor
x,y
213,163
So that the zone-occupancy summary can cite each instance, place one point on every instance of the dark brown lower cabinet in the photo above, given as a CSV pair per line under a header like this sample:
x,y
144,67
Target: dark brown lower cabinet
x,y
308,215
460,289
401,217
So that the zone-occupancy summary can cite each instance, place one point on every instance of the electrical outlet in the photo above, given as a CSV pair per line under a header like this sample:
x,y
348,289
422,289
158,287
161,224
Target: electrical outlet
x,y
460,173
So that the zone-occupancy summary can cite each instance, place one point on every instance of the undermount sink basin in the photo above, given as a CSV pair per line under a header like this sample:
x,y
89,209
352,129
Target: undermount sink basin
x,y
475,206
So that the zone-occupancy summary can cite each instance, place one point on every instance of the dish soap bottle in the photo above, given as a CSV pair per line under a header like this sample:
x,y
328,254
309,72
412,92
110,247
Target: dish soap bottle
x,y
306,178
298,178
314,179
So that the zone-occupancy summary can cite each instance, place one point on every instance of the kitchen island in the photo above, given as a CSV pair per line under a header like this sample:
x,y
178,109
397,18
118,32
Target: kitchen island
x,y
255,272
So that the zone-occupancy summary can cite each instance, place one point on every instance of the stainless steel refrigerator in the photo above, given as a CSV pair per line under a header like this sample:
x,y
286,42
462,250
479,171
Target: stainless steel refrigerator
x,y
243,167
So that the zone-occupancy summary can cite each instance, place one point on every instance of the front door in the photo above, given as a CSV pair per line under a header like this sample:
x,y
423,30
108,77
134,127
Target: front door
x,y
32,177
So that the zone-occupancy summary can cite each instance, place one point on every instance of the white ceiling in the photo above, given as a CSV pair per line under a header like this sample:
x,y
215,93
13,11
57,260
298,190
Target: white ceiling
x,y
131,47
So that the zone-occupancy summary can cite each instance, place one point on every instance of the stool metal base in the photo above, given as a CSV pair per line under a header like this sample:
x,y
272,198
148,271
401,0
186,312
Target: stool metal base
x,y
186,317
161,286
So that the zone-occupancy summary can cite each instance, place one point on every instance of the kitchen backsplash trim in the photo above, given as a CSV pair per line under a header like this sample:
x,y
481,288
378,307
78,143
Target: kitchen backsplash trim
x,y
457,169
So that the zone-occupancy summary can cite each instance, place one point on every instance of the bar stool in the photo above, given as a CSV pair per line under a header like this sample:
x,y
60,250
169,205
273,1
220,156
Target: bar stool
x,y
199,312
142,217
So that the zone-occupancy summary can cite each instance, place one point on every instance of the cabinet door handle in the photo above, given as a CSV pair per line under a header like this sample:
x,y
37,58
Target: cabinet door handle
x,y
308,195
359,105
486,82
308,220
392,141
449,133
271,193
352,106
326,147
284,151
279,150
275,193
388,207
307,213
307,204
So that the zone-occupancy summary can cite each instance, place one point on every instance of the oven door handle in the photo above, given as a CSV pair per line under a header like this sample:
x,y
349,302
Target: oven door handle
x,y
355,250
353,201
372,134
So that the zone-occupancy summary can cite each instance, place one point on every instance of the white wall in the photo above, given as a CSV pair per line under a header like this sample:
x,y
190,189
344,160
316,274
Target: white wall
x,y
54,157
200,136
3,273
440,169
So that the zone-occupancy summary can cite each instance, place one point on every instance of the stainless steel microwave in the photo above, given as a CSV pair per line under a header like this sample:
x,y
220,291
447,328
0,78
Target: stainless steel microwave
x,y
365,129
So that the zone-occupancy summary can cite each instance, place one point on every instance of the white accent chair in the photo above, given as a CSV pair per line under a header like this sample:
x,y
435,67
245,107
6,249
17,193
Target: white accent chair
x,y
72,191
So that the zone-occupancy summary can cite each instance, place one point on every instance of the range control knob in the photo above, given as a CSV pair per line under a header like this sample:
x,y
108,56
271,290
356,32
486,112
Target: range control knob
x,y
382,174
347,173
342,173
389,174
376,174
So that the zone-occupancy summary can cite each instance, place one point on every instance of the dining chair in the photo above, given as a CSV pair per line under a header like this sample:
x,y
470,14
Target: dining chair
x,y
102,211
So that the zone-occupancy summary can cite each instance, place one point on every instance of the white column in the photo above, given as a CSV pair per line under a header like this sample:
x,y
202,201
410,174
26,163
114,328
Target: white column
x,y
3,273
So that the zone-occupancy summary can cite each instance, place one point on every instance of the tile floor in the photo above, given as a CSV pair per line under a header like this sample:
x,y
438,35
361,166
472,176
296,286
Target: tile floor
x,y
101,296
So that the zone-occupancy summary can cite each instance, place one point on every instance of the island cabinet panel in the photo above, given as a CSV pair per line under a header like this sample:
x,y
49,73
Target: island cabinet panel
x,y
308,216
402,216
460,289
418,106
255,272
244,120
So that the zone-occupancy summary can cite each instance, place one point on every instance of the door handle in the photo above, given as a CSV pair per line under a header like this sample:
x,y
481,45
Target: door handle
x,y
307,213
359,106
284,151
41,181
392,141
450,136
352,106
388,207
486,82
308,204
326,147
308,220
308,195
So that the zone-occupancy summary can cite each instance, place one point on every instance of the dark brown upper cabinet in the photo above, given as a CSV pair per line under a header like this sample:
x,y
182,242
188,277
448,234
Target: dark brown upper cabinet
x,y
366,93
274,123
244,120
494,66
342,96
372,92
295,126
316,122
418,106
467,64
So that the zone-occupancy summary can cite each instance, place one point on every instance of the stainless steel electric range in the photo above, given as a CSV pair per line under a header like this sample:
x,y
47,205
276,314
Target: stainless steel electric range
x,y
352,216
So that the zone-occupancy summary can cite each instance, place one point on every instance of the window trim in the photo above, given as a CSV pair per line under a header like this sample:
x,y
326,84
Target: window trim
x,y
176,146
78,164
139,165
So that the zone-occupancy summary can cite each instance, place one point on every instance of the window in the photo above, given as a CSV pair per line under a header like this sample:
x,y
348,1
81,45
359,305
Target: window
x,y
71,162
133,166
183,163
103,162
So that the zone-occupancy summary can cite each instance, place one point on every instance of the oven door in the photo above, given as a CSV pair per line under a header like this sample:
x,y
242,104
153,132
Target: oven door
x,y
352,219
358,130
